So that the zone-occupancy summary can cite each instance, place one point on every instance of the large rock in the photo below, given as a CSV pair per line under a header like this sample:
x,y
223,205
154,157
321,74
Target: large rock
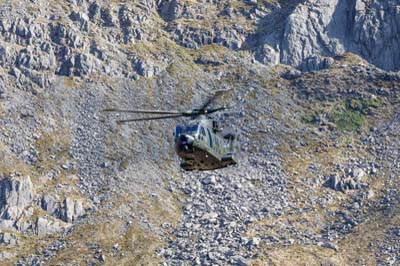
x,y
7,55
72,210
4,255
343,182
194,37
78,65
43,226
268,55
170,10
358,174
16,193
51,205
62,35
331,27
317,62
82,19
16,196
8,239
146,68
33,57
22,31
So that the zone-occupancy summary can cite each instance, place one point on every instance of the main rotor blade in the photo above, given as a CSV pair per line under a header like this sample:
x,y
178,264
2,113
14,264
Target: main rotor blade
x,y
143,111
210,111
148,118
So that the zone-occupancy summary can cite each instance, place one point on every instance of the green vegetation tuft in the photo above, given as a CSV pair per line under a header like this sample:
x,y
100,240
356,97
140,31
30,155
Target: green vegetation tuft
x,y
350,115
354,114
348,120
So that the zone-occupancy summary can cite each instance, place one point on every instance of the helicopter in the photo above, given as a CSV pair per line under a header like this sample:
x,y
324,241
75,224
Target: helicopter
x,y
200,143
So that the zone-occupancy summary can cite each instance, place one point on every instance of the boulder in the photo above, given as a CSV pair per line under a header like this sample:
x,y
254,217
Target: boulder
x,y
7,55
146,68
94,11
316,62
358,174
209,180
8,239
43,226
292,74
82,19
170,10
71,210
4,255
268,55
2,89
334,182
78,65
107,17
342,183
16,193
51,205
240,261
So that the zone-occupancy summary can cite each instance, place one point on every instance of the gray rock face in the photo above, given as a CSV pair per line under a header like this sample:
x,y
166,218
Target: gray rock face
x,y
44,226
313,63
51,205
328,28
16,193
146,68
82,19
78,65
267,55
193,37
171,10
8,239
4,255
72,210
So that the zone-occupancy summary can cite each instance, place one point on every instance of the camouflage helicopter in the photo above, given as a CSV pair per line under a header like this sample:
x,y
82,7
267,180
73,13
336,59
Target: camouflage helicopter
x,y
200,143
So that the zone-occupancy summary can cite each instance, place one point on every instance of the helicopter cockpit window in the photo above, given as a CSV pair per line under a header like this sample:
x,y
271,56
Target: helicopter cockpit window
x,y
190,130
202,131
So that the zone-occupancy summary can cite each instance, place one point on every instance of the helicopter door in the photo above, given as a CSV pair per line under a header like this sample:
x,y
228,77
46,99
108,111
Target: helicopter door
x,y
210,138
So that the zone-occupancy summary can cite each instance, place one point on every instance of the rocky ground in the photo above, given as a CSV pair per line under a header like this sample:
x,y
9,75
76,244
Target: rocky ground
x,y
316,106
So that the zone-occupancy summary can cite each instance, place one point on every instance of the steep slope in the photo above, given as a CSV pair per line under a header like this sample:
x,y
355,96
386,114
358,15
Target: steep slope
x,y
320,150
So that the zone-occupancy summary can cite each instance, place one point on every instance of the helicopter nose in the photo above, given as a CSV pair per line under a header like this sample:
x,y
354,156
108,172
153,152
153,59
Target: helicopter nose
x,y
185,142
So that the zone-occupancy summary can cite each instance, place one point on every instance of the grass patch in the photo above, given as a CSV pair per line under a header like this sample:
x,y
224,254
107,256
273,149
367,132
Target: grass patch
x,y
348,120
53,150
354,113
136,245
10,164
350,115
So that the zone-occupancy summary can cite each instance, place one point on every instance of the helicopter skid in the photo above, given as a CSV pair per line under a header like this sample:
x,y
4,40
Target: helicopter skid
x,y
202,160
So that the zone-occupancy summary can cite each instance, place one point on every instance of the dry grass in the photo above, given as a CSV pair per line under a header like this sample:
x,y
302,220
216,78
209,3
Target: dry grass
x,y
9,163
53,150
301,255
357,248
352,59
136,245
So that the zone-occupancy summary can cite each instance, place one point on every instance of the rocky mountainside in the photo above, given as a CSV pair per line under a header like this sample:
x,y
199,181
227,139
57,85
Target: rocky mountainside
x,y
316,91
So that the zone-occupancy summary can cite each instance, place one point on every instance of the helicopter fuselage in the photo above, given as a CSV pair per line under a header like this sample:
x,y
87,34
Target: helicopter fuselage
x,y
201,146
